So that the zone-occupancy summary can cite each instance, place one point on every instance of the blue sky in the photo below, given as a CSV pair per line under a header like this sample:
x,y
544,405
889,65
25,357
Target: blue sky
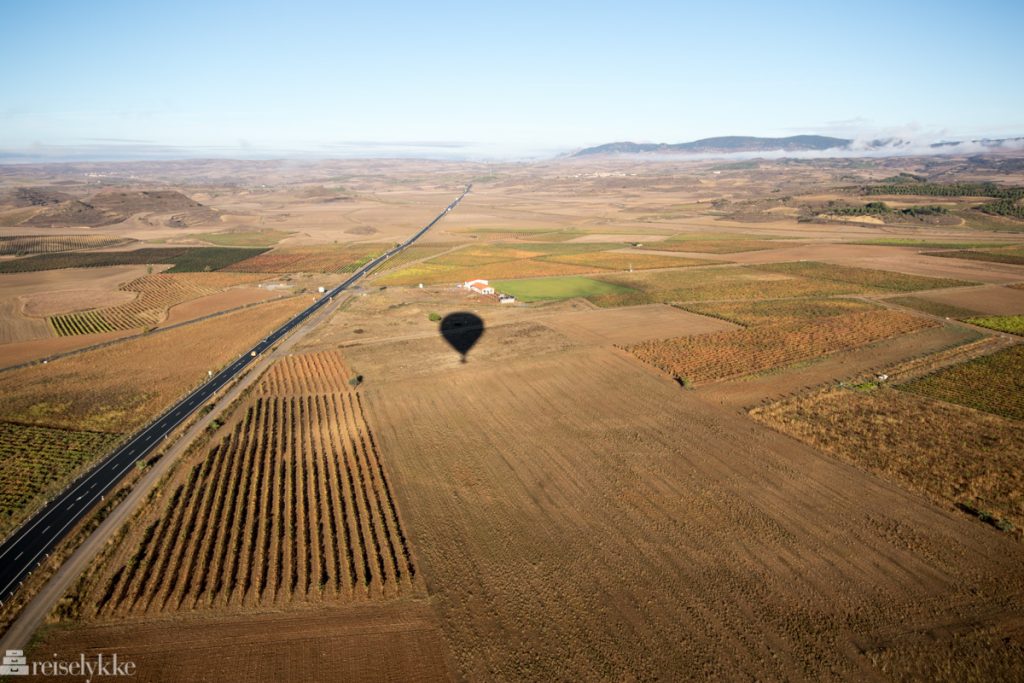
x,y
517,78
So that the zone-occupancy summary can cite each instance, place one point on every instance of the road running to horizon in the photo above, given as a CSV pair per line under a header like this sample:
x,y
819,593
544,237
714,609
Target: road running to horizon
x,y
31,543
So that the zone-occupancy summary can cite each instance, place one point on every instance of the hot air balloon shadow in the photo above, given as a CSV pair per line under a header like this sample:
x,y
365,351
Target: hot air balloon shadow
x,y
462,330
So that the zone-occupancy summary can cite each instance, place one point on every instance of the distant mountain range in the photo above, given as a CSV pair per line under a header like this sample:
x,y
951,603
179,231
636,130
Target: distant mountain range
x,y
738,144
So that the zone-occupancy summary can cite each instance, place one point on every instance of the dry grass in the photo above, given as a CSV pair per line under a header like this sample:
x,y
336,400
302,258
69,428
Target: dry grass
x,y
778,311
949,452
727,354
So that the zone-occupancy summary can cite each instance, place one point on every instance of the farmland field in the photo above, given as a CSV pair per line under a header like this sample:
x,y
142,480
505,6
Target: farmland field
x,y
414,253
714,245
718,356
119,388
156,293
717,283
303,507
434,273
1014,324
1012,256
778,311
619,260
301,510
25,245
556,288
244,238
184,259
993,384
951,453
932,307
611,517
35,460
865,277
328,258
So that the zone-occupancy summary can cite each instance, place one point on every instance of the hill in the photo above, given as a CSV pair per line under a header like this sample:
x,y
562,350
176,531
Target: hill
x,y
726,144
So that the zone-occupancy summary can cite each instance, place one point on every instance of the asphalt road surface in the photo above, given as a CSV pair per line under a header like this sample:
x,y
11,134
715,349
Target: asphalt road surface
x,y
30,544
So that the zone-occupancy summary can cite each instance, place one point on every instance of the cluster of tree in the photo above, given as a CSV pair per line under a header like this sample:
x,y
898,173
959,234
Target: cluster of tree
x,y
903,178
947,190
881,208
1004,207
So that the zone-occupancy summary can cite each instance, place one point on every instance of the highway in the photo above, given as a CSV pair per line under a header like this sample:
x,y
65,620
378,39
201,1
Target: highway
x,y
30,544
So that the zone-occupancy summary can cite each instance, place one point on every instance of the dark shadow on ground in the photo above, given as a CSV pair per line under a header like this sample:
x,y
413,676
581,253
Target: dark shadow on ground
x,y
462,330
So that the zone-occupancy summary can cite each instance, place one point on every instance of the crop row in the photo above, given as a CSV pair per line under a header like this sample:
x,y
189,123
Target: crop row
x,y
156,293
293,506
33,458
718,356
307,373
992,384
26,245
183,259
319,259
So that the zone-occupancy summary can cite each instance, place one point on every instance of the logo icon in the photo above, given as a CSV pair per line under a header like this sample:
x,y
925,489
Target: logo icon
x,y
14,664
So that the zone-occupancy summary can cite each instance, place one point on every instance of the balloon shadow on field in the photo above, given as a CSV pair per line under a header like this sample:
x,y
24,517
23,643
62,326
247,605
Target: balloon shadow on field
x,y
462,330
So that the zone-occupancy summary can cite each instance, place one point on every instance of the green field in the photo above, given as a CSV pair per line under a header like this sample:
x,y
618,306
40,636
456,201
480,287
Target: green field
x,y
1014,324
244,238
541,289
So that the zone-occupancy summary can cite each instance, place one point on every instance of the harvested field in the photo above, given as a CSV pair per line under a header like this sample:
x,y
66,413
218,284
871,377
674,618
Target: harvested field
x,y
15,353
15,327
948,452
324,258
993,384
632,324
394,641
865,277
217,303
26,245
46,304
35,461
119,388
992,300
293,506
618,528
727,354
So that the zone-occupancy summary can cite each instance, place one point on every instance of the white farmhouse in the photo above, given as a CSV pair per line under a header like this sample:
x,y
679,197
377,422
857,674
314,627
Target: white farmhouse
x,y
479,286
